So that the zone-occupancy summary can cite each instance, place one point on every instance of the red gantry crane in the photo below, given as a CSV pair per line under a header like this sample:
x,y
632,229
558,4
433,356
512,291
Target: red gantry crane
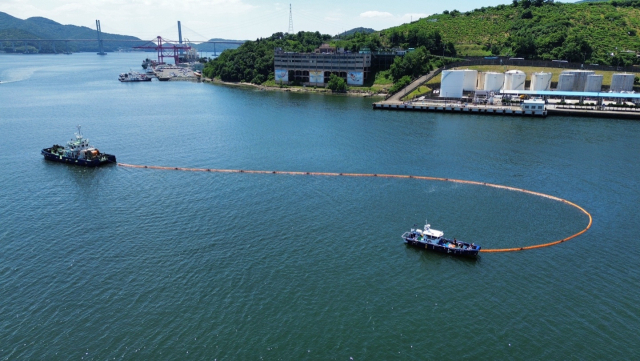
x,y
168,50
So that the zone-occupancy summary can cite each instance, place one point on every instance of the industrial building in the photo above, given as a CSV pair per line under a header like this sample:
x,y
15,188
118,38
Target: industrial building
x,y
315,69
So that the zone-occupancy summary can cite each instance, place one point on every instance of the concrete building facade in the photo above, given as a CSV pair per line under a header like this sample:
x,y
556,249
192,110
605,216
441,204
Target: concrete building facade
x,y
315,69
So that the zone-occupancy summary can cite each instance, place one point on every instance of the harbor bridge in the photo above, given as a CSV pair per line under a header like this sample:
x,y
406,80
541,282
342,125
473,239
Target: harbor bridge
x,y
165,48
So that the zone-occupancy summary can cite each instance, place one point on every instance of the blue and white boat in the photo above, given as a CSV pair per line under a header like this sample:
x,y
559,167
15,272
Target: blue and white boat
x,y
433,239
78,151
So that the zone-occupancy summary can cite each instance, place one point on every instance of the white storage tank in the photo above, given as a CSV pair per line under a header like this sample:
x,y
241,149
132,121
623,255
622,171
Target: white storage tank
x,y
622,82
451,83
514,80
470,80
565,82
540,81
493,81
579,78
594,83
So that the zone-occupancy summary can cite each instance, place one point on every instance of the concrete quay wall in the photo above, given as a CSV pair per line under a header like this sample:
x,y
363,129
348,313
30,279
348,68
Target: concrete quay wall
x,y
458,108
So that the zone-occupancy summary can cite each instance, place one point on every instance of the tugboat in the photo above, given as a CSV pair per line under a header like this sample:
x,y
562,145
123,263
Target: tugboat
x,y
133,76
78,152
433,240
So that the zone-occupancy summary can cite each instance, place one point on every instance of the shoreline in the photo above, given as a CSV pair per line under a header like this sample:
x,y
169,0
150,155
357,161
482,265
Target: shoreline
x,y
359,93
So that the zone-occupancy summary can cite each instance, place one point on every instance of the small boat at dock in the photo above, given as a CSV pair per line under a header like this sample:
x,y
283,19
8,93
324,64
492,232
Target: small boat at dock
x,y
433,239
78,151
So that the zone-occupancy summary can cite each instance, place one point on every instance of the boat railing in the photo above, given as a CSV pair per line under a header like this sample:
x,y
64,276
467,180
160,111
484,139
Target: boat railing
x,y
410,235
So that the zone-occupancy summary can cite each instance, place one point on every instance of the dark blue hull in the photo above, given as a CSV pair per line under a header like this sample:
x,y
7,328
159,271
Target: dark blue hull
x,y
100,160
443,248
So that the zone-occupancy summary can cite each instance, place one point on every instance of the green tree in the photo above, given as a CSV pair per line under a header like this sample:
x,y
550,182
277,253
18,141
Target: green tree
x,y
576,49
524,46
400,84
337,84
413,64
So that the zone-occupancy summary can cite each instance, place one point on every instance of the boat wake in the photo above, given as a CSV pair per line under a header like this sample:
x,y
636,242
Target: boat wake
x,y
16,75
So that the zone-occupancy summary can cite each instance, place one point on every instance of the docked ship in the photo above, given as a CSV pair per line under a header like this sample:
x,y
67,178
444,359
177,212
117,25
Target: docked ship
x,y
433,239
78,151
133,76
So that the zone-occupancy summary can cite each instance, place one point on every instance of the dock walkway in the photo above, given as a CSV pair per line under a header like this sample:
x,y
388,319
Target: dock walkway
x,y
456,107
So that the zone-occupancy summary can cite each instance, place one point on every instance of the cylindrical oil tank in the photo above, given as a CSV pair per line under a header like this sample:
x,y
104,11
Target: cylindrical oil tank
x,y
594,83
540,81
622,82
565,82
493,81
579,78
514,80
451,83
470,80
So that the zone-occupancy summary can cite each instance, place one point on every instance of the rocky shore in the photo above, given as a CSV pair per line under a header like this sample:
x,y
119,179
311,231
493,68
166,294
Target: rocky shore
x,y
296,89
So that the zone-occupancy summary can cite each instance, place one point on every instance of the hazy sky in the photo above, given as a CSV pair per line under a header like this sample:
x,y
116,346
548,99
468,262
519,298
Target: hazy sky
x,y
233,19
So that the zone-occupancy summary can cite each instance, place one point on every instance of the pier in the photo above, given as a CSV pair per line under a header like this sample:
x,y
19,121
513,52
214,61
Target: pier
x,y
458,107
551,109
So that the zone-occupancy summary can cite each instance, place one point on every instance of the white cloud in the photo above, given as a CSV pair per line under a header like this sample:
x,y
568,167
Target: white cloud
x,y
376,14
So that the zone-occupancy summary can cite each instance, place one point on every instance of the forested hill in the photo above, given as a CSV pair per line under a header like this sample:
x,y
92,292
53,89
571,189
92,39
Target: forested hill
x,y
534,29
43,28
357,30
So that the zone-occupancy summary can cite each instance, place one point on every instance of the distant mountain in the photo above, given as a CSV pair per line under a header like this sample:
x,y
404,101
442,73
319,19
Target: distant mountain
x,y
219,48
43,28
357,30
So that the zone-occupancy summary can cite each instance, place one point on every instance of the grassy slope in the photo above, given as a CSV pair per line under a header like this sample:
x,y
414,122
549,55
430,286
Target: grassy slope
x,y
604,26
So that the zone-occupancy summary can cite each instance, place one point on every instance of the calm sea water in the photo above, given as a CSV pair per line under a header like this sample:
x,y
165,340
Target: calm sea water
x,y
121,263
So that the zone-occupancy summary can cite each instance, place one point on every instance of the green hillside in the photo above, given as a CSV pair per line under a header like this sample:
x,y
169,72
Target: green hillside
x,y
356,30
534,29
43,28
